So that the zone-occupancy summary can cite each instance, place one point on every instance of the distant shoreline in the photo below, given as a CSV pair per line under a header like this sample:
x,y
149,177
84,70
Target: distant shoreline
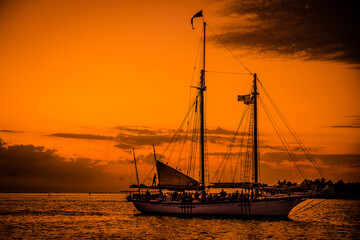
x,y
339,197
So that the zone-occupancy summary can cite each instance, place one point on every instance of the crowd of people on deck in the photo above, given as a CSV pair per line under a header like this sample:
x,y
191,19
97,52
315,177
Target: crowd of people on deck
x,y
199,196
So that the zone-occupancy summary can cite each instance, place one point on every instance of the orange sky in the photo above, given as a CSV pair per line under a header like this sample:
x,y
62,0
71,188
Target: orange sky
x,y
86,67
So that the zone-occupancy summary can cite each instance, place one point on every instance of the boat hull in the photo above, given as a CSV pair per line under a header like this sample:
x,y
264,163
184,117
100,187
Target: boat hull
x,y
271,207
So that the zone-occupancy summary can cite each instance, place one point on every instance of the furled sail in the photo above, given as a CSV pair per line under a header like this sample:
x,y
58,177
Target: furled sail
x,y
173,179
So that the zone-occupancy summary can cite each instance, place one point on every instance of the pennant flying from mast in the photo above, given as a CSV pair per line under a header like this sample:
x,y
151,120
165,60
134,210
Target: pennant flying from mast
x,y
199,14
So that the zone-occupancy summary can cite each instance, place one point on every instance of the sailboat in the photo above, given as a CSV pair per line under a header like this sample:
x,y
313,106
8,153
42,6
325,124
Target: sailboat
x,y
192,197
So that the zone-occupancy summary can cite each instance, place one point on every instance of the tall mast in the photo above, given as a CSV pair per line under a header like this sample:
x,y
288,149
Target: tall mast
x,y
202,123
255,137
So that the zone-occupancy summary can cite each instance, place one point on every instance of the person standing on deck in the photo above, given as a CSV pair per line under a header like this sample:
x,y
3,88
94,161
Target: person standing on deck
x,y
154,180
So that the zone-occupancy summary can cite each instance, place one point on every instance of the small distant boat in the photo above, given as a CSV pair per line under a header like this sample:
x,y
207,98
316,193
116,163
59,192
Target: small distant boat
x,y
189,196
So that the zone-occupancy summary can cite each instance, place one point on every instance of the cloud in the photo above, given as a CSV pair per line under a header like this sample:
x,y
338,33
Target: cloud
x,y
130,137
313,30
220,131
142,159
82,136
138,137
128,141
138,130
124,146
10,131
29,168
355,123
349,160
221,140
345,126
272,147
335,166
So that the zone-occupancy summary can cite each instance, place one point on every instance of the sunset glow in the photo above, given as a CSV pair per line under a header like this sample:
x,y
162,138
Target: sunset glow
x,y
94,79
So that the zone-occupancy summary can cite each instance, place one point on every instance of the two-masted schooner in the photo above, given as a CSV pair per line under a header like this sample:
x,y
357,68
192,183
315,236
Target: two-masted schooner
x,y
186,195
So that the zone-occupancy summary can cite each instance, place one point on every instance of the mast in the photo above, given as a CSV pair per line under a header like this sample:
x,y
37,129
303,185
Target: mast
x,y
137,174
154,153
202,89
255,137
155,161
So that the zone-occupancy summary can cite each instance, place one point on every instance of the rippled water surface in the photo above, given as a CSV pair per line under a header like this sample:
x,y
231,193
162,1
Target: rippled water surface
x,y
36,216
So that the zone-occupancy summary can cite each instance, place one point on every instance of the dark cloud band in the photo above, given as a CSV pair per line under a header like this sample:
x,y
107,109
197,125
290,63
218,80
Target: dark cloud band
x,y
314,29
82,136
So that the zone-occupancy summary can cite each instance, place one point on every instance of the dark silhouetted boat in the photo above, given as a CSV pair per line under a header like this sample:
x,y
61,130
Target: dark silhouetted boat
x,y
180,193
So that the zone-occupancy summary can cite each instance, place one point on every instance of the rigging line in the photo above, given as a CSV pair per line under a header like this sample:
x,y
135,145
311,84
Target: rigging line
x,y
245,114
191,119
186,135
231,145
189,143
176,139
235,171
193,146
296,137
177,131
238,159
228,72
245,141
249,152
206,156
191,157
259,156
230,148
305,205
242,167
308,208
186,142
282,138
229,50
283,141
241,140
223,161
195,64
147,176
152,169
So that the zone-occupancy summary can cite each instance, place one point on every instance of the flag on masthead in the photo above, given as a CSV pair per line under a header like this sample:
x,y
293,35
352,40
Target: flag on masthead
x,y
245,98
199,14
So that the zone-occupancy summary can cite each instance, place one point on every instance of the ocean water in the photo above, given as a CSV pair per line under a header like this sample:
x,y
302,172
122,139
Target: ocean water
x,y
72,216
